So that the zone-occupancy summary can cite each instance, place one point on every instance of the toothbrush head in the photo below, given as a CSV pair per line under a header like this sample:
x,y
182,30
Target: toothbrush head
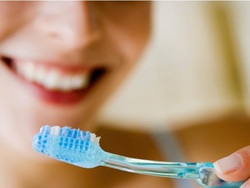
x,y
70,145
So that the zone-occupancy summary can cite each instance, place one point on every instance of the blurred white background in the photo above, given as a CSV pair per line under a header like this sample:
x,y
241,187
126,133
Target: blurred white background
x,y
195,68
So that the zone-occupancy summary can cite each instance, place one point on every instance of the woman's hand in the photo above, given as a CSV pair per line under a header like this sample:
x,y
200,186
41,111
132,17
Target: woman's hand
x,y
235,167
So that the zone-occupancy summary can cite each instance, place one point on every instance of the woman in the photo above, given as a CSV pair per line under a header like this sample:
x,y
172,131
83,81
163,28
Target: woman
x,y
60,61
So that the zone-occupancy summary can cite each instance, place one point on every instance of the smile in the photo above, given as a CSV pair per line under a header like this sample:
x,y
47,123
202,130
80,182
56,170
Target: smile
x,y
55,83
53,78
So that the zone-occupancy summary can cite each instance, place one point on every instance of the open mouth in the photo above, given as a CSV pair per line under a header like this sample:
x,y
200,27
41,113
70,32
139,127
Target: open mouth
x,y
56,84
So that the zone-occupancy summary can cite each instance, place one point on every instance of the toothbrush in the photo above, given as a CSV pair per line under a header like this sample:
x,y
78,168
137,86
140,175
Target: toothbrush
x,y
82,149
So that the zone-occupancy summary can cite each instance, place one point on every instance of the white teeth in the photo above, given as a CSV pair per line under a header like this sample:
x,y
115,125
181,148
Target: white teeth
x,y
52,79
29,71
78,81
39,74
66,84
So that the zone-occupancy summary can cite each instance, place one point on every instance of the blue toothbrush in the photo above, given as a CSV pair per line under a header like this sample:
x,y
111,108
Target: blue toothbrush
x,y
82,149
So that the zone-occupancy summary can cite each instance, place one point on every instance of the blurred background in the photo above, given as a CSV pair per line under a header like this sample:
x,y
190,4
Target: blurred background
x,y
196,67
192,86
191,90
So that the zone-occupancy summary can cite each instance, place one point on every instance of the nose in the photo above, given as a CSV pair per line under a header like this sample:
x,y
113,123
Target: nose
x,y
72,24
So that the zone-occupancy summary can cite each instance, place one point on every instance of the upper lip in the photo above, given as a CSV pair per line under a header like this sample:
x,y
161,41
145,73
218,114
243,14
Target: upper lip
x,y
67,66
61,65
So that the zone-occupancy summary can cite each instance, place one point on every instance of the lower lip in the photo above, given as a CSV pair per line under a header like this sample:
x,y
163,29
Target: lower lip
x,y
56,97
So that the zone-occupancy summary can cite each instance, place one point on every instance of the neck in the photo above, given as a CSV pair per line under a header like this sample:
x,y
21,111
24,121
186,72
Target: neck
x,y
39,171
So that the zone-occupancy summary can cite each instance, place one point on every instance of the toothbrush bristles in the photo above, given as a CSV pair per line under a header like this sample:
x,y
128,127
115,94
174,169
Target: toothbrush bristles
x,y
69,145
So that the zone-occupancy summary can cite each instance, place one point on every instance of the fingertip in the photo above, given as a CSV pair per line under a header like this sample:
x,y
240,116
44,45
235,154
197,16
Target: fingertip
x,y
228,164
234,167
246,184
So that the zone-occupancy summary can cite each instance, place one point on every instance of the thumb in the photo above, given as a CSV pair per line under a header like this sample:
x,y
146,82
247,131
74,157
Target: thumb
x,y
235,167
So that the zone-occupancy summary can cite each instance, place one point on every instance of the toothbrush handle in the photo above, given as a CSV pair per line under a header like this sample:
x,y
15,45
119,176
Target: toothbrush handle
x,y
153,168
208,178
203,173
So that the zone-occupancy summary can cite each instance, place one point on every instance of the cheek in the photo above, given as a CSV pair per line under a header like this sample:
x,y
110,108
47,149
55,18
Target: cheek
x,y
12,16
7,18
132,39
132,42
129,29
5,78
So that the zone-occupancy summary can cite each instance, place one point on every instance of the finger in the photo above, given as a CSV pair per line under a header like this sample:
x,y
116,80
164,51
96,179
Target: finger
x,y
246,184
235,167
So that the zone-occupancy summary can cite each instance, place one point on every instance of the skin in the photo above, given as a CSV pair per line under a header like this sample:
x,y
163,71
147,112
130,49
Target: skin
x,y
93,34
68,34
242,172
229,133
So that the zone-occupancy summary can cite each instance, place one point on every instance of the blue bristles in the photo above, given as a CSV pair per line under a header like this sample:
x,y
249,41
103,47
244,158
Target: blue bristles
x,y
69,145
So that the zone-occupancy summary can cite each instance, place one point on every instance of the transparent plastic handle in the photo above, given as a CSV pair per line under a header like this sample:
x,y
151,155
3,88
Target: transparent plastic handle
x,y
208,178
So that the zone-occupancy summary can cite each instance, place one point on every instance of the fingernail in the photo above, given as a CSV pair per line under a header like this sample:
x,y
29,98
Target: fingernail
x,y
228,164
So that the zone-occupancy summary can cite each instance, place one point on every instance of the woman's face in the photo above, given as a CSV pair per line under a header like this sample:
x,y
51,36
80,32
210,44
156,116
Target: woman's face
x,y
60,60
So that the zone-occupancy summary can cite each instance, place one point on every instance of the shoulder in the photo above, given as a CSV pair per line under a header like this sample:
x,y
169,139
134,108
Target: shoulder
x,y
132,143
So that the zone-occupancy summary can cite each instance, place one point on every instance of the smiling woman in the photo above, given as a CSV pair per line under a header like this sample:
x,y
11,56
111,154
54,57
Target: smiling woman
x,y
54,83
59,62
66,65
